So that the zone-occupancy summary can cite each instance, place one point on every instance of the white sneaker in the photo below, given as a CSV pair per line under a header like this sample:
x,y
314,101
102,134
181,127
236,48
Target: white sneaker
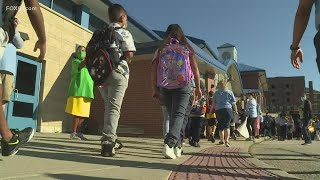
x,y
168,152
177,151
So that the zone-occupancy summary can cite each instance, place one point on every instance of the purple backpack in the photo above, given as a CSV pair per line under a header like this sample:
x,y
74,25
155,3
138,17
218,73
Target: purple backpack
x,y
174,70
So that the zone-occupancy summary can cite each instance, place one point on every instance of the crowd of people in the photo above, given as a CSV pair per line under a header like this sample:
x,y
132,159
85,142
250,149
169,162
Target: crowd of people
x,y
176,86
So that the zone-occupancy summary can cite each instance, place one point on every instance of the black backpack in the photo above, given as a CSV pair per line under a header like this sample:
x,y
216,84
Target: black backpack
x,y
9,11
102,55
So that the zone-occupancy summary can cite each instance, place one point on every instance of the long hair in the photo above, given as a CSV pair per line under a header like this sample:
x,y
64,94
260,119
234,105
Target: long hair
x,y
175,31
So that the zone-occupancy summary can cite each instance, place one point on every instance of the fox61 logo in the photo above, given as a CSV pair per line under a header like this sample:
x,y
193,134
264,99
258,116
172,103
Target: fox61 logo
x,y
16,8
12,8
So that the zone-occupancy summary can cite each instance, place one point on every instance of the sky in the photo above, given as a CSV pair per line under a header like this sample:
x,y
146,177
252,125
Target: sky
x,y
261,30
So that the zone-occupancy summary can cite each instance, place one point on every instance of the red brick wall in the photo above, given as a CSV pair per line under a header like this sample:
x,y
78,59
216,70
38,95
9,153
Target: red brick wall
x,y
285,92
250,80
138,108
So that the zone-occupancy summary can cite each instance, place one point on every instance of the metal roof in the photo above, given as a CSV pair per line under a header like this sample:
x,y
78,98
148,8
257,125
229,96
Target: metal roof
x,y
227,45
247,68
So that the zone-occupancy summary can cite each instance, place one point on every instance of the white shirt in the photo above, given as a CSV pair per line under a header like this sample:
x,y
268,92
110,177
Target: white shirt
x,y
126,43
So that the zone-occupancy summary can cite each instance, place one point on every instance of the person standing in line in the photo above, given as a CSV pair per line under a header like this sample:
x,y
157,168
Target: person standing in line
x,y
80,93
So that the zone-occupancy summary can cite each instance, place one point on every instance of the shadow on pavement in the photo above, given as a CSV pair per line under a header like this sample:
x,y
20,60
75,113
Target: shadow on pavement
x,y
309,172
77,177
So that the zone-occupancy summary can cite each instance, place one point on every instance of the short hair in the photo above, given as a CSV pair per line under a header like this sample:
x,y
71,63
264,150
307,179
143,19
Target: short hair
x,y
115,11
80,47
222,84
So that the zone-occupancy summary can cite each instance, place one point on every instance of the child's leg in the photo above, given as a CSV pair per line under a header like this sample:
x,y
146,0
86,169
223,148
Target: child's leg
x,y
4,128
196,128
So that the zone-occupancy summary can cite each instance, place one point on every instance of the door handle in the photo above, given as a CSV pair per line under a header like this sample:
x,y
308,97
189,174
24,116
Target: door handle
x,y
16,94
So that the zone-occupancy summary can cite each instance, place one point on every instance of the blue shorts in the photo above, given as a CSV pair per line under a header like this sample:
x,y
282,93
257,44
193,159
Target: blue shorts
x,y
224,117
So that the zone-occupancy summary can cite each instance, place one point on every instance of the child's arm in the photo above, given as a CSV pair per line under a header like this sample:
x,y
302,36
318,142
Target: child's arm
x,y
127,45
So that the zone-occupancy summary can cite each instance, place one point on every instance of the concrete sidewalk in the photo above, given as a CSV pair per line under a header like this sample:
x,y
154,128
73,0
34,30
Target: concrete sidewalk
x,y
290,156
54,156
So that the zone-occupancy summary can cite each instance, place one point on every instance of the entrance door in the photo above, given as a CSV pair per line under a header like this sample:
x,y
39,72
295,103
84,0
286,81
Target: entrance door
x,y
22,110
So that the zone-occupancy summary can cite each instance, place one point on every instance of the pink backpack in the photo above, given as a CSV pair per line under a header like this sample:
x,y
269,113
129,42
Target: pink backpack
x,y
174,70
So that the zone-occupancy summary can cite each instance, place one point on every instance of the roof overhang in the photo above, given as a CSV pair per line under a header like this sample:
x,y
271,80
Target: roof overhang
x,y
206,63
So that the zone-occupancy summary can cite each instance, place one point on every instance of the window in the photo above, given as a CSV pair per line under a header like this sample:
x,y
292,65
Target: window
x,y
46,2
272,94
272,87
287,86
66,8
288,93
96,23
288,100
273,100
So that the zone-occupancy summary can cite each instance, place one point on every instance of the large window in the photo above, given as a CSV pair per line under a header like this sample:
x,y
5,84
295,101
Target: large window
x,y
66,8
96,23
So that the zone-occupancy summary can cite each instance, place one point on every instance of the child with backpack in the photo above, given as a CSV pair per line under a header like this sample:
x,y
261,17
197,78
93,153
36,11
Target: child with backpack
x,y
108,53
197,116
172,71
212,120
117,82
12,140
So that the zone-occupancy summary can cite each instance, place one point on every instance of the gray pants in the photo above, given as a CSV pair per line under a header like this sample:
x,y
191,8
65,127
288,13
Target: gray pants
x,y
166,121
113,96
175,102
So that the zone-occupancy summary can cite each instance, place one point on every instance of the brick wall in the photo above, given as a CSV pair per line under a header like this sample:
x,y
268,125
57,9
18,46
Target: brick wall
x,y
62,37
140,115
285,93
250,80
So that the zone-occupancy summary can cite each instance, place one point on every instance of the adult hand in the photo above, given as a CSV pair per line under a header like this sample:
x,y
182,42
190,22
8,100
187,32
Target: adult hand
x,y
198,93
43,48
156,95
296,56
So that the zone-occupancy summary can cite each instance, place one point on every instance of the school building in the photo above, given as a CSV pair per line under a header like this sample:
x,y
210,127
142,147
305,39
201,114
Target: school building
x,y
41,87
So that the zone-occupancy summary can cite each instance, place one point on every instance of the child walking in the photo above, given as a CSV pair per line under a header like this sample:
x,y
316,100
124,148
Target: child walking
x,y
172,71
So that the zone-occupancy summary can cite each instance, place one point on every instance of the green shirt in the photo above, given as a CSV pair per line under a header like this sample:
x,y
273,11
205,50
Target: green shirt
x,y
81,84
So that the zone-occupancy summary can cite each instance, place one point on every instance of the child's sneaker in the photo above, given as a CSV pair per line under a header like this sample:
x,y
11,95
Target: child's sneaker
x,y
118,145
19,138
81,136
108,149
177,151
168,152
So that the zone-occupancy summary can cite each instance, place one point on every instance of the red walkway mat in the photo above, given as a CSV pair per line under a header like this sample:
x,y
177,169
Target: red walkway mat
x,y
219,163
